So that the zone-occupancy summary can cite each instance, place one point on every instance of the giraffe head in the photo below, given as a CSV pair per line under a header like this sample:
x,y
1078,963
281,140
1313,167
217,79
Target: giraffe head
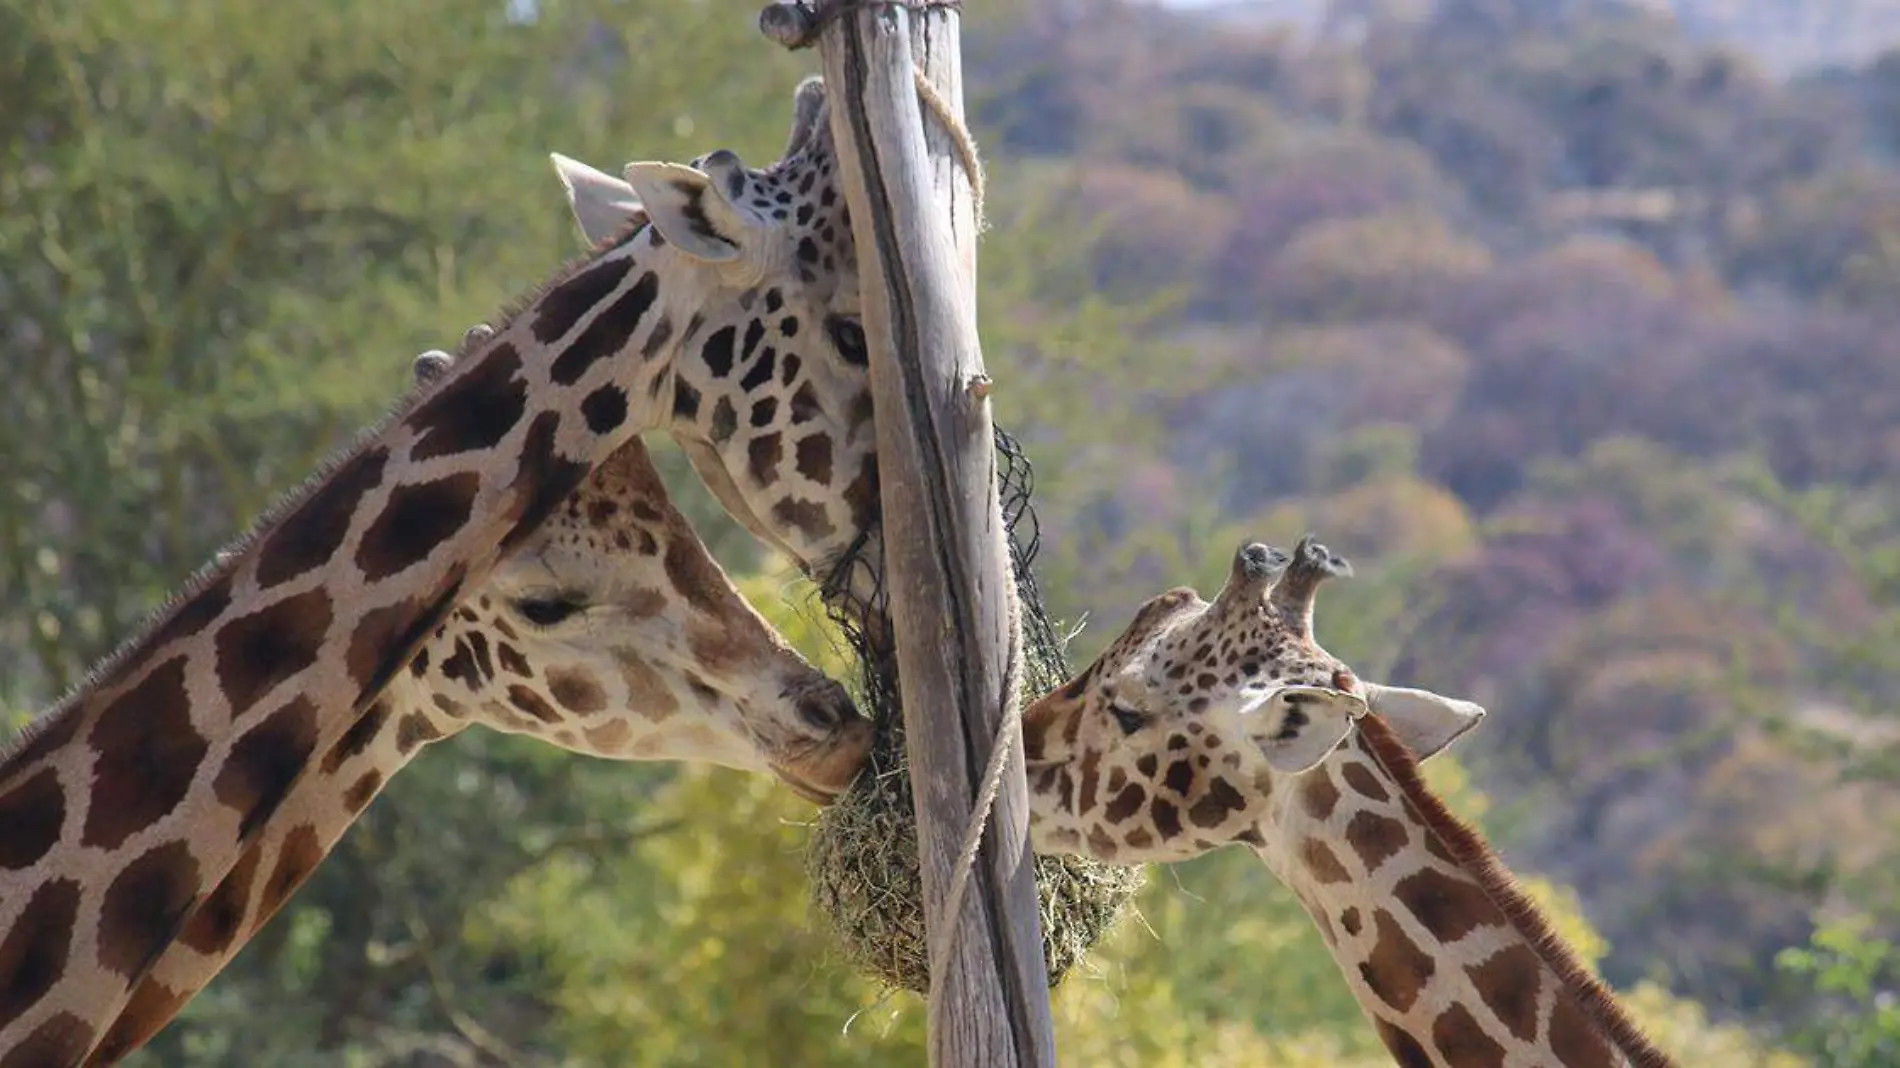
x,y
1174,741
775,412
610,630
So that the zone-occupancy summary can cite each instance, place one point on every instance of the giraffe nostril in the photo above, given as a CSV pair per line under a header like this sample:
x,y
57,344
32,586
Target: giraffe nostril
x,y
826,710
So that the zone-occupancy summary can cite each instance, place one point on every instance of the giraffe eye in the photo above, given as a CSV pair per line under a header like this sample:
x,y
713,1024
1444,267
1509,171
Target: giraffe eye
x,y
1129,720
848,336
547,610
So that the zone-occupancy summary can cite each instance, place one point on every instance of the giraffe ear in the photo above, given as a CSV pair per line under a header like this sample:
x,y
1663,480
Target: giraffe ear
x,y
688,210
602,204
1297,726
1426,722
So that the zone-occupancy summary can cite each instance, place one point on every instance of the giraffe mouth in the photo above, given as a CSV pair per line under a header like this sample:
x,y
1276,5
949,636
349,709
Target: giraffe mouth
x,y
815,794
824,770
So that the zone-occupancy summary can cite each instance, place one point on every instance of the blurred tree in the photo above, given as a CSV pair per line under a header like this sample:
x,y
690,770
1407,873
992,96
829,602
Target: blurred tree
x,y
1859,976
1391,265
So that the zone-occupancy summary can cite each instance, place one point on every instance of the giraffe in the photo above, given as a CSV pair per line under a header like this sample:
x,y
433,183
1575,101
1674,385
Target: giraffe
x,y
133,797
1205,724
820,510
611,632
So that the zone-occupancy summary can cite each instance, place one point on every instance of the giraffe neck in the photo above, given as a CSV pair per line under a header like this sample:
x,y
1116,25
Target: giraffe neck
x,y
279,857
275,862
139,793
1452,963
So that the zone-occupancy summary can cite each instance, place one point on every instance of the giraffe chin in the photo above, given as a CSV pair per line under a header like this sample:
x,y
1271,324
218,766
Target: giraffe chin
x,y
816,795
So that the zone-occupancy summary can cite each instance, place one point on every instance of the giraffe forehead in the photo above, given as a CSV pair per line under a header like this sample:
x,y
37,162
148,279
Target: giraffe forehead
x,y
801,196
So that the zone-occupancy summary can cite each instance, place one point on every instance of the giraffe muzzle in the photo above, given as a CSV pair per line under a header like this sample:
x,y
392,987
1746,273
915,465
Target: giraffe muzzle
x,y
823,767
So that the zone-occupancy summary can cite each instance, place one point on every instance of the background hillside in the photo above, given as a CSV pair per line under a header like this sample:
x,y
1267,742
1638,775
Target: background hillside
x,y
1578,335
1785,36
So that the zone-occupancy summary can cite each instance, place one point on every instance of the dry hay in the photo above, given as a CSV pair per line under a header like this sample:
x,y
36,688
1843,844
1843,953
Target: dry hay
x,y
863,871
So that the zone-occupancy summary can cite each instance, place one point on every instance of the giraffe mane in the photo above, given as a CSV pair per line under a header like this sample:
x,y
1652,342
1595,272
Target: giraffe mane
x,y
1476,857
636,221
222,561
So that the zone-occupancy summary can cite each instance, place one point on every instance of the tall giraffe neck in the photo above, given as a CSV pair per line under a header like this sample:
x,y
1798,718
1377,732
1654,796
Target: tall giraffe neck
x,y
276,861
1451,961
668,662
140,792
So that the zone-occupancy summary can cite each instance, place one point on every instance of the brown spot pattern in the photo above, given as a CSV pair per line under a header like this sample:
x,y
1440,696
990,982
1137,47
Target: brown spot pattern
x,y
1396,970
694,574
460,666
1574,1039
301,854
814,458
532,703
570,301
1167,819
32,813
1125,803
266,762
806,517
1375,838
412,730
1462,1042
33,954
151,1006
416,520
763,455
1091,780
1361,779
1406,1052
1509,982
380,634
576,691
647,692
61,1039
190,618
148,755
512,661
359,737
311,535
605,409
144,907
725,421
543,478
609,736
1216,803
1180,777
214,924
1318,795
360,791
609,333
1322,863
476,411
1450,908
268,646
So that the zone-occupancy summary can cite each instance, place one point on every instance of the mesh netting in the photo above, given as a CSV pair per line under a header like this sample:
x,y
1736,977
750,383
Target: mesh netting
x,y
862,858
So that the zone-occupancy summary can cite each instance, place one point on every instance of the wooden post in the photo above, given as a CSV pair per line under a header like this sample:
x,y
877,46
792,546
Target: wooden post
x,y
952,596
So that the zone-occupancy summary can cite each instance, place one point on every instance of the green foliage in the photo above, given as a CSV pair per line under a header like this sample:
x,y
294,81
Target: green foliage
x,y
1857,975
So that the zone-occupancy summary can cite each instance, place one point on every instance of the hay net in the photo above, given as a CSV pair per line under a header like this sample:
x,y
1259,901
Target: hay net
x,y
862,861
858,605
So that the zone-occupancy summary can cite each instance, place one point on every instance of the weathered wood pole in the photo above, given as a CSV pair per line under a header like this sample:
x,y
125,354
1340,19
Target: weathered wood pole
x,y
952,597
